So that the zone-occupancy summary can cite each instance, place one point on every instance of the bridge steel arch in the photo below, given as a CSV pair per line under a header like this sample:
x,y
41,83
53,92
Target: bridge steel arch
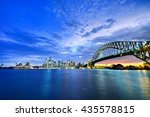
x,y
139,49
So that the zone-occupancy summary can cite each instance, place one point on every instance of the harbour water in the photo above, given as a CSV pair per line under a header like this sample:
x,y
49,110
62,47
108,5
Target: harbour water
x,y
77,84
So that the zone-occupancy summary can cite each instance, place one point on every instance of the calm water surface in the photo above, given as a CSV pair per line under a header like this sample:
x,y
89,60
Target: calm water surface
x,y
74,84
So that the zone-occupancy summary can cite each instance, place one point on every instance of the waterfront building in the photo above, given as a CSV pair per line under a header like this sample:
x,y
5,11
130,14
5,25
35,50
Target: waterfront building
x,y
59,64
21,66
52,64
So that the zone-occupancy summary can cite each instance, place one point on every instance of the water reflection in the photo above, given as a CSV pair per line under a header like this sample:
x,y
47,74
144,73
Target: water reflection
x,y
46,88
75,84
145,83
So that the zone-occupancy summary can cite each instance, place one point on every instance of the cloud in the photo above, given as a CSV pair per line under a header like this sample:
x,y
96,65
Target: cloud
x,y
106,25
5,39
21,37
137,33
122,1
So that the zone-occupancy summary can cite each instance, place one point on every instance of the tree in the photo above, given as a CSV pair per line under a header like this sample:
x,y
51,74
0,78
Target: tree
x,y
118,66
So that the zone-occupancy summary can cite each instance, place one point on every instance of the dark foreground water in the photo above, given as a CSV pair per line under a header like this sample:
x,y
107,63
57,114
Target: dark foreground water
x,y
74,84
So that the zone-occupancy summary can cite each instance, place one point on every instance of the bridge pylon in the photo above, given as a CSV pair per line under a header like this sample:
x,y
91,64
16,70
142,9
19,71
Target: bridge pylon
x,y
90,64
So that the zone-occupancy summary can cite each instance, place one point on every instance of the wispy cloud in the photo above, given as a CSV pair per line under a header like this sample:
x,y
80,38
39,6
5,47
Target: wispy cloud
x,y
106,25
136,33
5,39
22,37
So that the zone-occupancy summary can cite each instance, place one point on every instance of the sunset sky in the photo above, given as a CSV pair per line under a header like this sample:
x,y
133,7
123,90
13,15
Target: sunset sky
x,y
31,30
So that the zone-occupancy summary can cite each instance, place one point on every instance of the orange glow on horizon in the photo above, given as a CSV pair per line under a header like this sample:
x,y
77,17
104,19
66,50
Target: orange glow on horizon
x,y
126,61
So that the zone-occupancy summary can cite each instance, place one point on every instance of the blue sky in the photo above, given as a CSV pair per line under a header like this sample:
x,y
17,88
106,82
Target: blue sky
x,y
31,30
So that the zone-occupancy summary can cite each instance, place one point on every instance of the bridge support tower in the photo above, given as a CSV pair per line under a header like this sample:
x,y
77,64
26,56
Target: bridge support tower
x,y
90,65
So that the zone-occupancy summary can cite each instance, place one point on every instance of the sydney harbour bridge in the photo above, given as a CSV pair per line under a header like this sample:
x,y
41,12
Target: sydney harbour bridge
x,y
139,49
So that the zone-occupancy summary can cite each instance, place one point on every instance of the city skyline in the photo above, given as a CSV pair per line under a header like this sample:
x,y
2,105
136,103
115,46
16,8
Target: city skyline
x,y
32,30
